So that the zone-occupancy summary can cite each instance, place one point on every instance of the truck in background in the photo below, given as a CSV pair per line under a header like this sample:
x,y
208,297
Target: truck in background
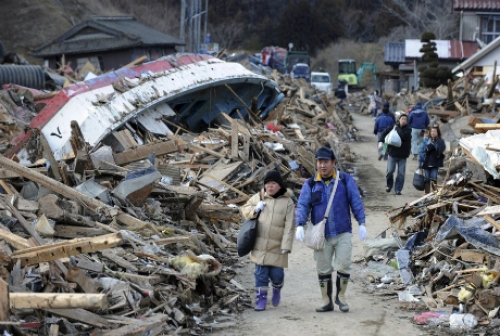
x,y
294,57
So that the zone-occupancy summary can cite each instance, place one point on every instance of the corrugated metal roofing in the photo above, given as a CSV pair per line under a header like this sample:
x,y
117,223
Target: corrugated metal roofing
x,y
394,53
476,5
449,50
492,46
111,32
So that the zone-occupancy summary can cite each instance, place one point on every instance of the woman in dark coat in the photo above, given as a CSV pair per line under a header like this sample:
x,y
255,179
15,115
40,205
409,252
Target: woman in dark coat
x,y
431,156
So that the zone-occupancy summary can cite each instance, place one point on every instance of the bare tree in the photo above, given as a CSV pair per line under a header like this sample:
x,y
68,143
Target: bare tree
x,y
423,15
226,33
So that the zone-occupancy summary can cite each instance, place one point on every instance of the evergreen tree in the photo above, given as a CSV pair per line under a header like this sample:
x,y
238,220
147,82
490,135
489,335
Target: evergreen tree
x,y
432,75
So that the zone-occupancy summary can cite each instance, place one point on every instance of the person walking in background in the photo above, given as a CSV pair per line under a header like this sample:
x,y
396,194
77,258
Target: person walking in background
x,y
313,201
376,103
383,121
418,121
397,155
275,231
431,156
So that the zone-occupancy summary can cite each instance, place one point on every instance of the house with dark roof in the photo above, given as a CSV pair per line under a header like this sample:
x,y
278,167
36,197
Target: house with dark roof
x,y
479,19
108,42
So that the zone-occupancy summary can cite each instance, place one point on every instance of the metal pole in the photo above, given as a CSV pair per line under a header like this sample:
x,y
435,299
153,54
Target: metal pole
x,y
198,25
191,12
206,22
183,24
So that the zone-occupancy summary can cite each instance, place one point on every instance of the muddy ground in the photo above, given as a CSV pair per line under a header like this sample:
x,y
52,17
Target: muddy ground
x,y
369,314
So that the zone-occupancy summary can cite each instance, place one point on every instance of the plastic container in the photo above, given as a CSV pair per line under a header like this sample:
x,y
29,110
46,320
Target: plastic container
x,y
462,321
427,318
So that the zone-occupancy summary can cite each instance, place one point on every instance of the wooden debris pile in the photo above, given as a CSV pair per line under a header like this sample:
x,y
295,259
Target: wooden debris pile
x,y
138,236
449,263
466,96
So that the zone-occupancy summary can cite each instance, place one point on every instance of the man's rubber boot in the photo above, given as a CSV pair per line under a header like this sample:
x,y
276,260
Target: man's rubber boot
x,y
276,295
427,188
260,298
342,282
325,284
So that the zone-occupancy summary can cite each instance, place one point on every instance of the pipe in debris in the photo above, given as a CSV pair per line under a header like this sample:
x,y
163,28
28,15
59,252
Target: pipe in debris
x,y
31,76
69,192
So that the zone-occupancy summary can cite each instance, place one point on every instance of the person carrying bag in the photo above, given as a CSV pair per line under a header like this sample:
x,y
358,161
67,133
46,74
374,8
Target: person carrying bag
x,y
274,239
315,234
329,197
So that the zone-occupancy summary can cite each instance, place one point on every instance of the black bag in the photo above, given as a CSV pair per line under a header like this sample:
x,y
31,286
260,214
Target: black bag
x,y
419,179
247,236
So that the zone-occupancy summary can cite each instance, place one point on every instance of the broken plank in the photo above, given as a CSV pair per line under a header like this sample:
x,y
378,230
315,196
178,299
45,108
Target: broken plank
x,y
69,248
151,326
493,222
14,240
234,138
57,300
125,139
487,127
230,187
118,260
85,283
4,301
144,151
88,265
173,240
69,231
81,315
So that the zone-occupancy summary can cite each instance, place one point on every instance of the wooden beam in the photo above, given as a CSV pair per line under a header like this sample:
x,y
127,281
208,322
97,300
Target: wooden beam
x,y
487,127
172,240
57,301
69,248
234,138
14,240
81,315
144,151
4,301
493,222
49,155
225,184
206,150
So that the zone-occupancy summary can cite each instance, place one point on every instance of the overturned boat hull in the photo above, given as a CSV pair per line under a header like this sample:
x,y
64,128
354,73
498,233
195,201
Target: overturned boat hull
x,y
187,89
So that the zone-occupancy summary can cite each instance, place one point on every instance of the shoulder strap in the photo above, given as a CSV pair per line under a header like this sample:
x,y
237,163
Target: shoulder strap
x,y
330,201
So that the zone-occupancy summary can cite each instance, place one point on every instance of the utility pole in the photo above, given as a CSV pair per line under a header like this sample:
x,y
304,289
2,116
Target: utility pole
x,y
206,22
191,25
183,24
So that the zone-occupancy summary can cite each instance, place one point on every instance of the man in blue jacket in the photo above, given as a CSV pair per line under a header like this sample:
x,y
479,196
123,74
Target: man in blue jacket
x,y
383,121
418,121
313,201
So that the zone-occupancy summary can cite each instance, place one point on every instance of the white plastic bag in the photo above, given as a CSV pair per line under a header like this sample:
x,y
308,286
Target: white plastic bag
x,y
393,138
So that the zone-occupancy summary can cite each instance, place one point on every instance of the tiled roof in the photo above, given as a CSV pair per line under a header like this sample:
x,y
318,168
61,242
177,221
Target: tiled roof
x,y
394,53
476,5
106,33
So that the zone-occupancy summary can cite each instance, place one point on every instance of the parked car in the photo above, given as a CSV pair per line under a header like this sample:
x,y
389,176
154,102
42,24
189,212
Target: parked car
x,y
301,70
322,81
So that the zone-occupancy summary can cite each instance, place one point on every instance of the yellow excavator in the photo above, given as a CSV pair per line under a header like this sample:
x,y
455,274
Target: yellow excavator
x,y
348,73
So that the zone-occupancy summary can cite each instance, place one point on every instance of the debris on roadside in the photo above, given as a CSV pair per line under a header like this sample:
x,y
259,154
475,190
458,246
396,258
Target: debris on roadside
x,y
119,205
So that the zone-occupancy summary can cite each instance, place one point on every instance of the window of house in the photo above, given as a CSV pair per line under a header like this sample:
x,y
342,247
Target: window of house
x,y
490,28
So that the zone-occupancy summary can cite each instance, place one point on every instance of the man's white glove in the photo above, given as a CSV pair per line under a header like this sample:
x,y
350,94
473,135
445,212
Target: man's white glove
x,y
380,145
299,234
362,232
260,206
285,251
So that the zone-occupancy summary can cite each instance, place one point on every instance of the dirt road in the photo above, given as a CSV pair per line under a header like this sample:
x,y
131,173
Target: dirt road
x,y
369,315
